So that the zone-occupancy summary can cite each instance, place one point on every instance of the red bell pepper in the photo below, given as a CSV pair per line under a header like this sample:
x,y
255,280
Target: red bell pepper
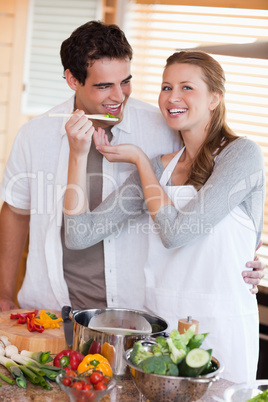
x,y
31,326
67,359
21,317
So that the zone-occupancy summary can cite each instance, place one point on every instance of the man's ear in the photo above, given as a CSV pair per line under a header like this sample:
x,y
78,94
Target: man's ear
x,y
215,100
71,80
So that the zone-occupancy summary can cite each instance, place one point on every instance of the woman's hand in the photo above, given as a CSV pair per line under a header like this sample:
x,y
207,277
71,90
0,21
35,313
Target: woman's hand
x,y
255,275
79,131
116,153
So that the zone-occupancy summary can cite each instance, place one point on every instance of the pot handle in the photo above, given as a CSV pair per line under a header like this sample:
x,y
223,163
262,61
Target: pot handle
x,y
71,313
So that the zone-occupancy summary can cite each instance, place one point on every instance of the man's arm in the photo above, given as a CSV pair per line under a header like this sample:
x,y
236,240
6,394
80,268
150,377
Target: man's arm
x,y
14,225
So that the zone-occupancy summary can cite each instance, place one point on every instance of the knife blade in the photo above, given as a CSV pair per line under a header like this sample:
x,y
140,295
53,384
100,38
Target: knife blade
x,y
68,325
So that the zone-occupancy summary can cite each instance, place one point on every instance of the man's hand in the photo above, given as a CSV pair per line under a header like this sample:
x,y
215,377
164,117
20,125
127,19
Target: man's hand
x,y
14,225
6,305
79,130
255,275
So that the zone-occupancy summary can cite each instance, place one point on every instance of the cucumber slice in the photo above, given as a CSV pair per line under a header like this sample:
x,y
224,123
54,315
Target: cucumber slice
x,y
194,363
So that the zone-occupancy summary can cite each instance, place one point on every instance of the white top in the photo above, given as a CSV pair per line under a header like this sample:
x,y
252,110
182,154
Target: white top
x,y
35,178
203,278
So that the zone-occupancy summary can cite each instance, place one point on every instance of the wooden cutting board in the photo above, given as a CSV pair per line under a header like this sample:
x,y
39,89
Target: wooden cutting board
x,y
52,340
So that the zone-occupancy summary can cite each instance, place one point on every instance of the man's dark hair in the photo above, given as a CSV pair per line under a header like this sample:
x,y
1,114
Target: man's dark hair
x,y
93,41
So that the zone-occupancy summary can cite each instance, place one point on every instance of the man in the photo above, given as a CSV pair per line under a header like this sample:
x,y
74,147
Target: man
x,y
96,60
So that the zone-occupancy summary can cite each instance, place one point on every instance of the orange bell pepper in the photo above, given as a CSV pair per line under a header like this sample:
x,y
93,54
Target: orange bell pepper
x,y
95,362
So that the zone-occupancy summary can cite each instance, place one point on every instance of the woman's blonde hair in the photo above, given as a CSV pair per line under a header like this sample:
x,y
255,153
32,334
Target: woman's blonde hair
x,y
219,134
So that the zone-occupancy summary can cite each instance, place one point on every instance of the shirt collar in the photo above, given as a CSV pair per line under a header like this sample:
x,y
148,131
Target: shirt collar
x,y
124,125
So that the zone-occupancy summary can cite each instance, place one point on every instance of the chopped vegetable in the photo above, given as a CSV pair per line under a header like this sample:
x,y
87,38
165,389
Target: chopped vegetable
x,y
35,372
31,326
4,342
14,370
10,350
47,321
161,365
95,362
6,379
194,363
139,353
68,359
40,357
111,115
21,316
196,341
161,348
263,397
177,355
28,318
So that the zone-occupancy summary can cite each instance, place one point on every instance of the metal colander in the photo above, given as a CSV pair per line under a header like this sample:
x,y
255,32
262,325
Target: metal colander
x,y
163,388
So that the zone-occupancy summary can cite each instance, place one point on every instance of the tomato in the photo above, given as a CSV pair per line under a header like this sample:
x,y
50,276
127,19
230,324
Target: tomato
x,y
96,377
77,385
100,386
87,387
106,380
66,381
70,373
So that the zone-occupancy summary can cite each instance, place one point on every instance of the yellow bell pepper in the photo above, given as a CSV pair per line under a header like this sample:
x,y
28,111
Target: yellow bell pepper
x,y
46,321
95,362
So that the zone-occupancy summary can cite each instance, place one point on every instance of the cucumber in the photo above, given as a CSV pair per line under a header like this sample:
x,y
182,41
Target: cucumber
x,y
210,366
194,363
196,341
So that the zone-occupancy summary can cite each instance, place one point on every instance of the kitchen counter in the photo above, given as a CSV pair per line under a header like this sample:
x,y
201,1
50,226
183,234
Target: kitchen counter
x,y
125,391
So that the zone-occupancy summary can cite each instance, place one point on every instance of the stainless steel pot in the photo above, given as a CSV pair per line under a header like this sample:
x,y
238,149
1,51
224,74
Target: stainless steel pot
x,y
113,346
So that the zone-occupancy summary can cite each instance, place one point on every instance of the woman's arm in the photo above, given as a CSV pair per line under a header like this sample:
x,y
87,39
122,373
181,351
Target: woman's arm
x,y
238,171
237,180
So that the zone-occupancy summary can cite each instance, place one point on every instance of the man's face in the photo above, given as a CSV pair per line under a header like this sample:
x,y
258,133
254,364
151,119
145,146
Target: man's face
x,y
106,90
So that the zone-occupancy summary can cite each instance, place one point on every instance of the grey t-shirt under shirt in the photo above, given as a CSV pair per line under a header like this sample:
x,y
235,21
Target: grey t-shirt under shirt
x,y
84,269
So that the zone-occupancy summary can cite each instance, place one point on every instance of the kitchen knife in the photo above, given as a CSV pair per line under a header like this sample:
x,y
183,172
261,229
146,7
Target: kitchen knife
x,y
68,325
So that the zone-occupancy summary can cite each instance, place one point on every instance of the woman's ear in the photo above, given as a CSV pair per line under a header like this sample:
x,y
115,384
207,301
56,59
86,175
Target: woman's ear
x,y
215,100
71,80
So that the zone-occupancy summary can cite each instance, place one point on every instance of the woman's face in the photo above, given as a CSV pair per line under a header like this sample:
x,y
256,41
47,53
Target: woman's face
x,y
184,100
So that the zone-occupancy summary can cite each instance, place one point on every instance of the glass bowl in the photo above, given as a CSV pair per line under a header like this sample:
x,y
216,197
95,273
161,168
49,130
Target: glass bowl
x,y
76,395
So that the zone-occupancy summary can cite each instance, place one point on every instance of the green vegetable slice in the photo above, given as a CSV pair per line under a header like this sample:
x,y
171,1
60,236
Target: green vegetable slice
x,y
111,115
194,363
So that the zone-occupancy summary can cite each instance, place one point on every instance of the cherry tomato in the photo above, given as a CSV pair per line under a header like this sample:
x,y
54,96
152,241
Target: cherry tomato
x,y
87,387
66,381
77,385
106,380
100,386
70,373
96,377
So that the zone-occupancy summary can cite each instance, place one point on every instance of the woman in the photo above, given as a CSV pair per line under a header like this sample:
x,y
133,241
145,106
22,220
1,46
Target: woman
x,y
206,205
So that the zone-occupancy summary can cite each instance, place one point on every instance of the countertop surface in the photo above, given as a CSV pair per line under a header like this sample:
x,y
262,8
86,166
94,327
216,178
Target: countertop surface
x,y
125,391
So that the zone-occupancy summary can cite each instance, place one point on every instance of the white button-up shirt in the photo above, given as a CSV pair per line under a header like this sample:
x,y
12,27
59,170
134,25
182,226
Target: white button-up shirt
x,y
35,178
